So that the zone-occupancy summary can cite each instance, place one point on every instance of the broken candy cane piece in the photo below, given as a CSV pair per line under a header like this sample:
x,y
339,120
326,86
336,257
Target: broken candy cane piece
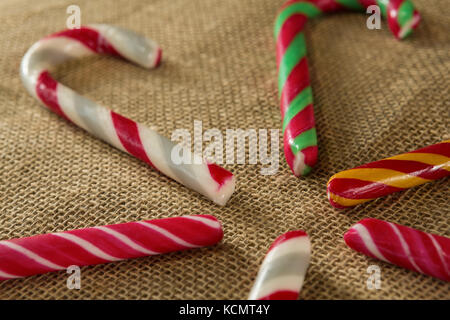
x,y
136,139
403,246
296,98
380,178
283,270
57,251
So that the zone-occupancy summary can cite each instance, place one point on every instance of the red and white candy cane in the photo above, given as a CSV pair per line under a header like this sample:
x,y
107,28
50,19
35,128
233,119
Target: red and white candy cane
x,y
283,270
57,251
403,246
296,99
138,140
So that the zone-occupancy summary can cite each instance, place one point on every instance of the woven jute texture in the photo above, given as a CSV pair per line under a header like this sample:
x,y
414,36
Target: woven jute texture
x,y
374,97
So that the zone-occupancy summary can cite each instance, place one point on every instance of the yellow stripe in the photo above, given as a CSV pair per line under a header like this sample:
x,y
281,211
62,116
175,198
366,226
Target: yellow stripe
x,y
345,201
389,177
431,159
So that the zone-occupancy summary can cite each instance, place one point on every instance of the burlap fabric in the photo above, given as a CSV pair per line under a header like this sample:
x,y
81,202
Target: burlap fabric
x,y
374,97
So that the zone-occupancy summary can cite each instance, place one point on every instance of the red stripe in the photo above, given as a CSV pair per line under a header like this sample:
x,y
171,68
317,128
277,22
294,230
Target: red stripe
x,y
387,242
354,241
392,15
335,204
289,155
148,238
442,149
128,133
219,174
191,231
287,236
107,243
46,90
16,263
158,58
301,122
323,5
296,82
366,3
413,168
424,252
90,38
290,28
68,253
358,189
310,154
281,295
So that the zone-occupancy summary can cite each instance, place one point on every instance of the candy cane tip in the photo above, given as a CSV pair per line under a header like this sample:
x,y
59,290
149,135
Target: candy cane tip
x,y
158,58
225,191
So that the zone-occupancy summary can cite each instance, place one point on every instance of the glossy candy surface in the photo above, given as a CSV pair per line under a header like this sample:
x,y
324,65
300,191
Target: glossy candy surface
x,y
403,246
136,139
57,251
283,269
380,178
294,88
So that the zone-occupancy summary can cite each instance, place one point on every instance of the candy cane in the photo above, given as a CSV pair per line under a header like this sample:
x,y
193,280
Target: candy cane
x,y
380,178
403,246
57,251
136,139
296,99
283,270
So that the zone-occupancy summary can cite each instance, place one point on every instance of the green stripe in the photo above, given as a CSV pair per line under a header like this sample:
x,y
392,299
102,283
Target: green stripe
x,y
292,56
299,103
304,140
383,6
405,12
306,8
351,4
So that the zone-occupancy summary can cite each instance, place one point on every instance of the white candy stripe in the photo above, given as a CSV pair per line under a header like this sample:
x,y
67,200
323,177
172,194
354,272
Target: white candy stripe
x,y
294,245
47,53
368,241
284,268
86,245
167,234
440,253
121,237
405,247
208,222
263,289
30,254
8,275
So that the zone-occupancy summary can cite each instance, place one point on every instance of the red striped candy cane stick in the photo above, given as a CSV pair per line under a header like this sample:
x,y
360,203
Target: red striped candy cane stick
x,y
403,246
380,178
136,139
283,270
296,99
57,251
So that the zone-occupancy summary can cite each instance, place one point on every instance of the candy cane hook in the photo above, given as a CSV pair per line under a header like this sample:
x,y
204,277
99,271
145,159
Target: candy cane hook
x,y
136,139
296,99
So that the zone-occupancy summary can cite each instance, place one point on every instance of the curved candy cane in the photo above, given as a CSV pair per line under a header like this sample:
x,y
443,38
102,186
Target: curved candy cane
x,y
57,251
208,179
283,270
380,178
296,99
403,246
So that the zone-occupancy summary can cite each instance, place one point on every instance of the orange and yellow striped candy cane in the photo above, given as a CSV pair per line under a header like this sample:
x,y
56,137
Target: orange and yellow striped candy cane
x,y
380,178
